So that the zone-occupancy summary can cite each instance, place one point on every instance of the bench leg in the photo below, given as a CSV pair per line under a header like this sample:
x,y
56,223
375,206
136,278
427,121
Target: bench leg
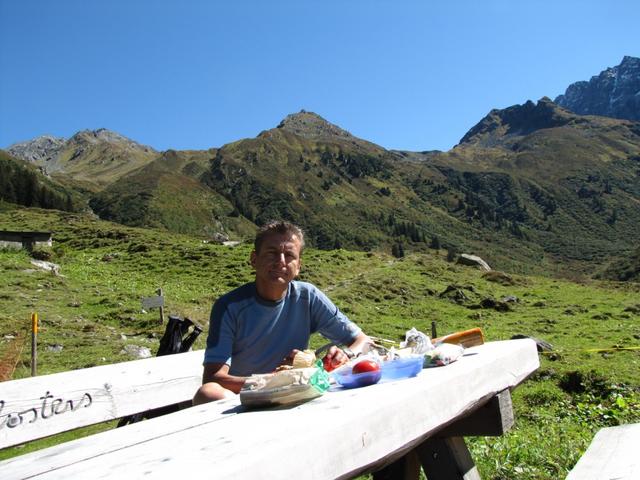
x,y
406,467
441,458
447,458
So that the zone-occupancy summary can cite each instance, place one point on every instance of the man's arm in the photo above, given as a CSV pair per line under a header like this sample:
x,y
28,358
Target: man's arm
x,y
359,345
219,373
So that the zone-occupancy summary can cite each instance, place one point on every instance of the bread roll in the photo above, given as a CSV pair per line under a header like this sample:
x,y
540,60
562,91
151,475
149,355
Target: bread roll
x,y
304,359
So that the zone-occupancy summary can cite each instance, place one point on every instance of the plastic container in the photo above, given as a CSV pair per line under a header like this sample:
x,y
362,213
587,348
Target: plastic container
x,y
402,368
391,370
344,377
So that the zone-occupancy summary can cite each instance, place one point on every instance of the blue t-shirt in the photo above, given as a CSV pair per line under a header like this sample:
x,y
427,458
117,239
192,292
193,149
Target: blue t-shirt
x,y
253,335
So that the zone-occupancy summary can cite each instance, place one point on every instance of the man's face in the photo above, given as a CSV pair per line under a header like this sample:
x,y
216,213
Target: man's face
x,y
278,261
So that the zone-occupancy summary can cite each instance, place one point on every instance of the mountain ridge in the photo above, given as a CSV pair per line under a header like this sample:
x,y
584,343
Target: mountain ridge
x,y
105,153
518,120
532,184
529,181
614,92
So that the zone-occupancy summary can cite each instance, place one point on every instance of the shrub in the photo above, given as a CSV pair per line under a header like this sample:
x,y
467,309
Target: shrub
x,y
42,253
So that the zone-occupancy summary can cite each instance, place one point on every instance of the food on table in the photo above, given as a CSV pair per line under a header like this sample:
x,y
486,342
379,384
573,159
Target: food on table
x,y
466,338
326,363
443,354
282,368
330,365
365,366
285,387
366,372
304,359
417,341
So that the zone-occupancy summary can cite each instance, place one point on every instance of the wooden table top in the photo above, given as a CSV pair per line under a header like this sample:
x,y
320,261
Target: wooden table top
x,y
333,436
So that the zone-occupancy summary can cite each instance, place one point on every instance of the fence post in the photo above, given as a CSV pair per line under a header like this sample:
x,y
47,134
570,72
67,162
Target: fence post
x,y
161,307
34,344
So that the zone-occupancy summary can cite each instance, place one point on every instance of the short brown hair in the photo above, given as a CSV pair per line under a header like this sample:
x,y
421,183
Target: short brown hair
x,y
278,227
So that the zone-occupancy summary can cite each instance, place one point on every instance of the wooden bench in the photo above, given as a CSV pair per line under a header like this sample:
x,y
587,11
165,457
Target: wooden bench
x,y
37,407
391,428
613,454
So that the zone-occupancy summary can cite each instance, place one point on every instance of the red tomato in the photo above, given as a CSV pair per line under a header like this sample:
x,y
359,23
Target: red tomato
x,y
365,366
326,363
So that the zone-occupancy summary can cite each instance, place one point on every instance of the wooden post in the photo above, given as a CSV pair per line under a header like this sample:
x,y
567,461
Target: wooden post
x,y
493,419
34,344
159,292
447,458
405,468
434,333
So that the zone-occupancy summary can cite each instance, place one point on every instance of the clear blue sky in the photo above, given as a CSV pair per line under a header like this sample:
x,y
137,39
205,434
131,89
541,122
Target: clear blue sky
x,y
412,75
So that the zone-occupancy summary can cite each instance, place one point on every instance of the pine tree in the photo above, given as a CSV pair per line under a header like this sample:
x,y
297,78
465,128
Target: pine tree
x,y
397,250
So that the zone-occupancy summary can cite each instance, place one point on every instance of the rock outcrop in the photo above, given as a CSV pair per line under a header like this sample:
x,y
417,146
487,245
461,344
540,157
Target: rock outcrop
x,y
517,121
473,261
311,125
41,150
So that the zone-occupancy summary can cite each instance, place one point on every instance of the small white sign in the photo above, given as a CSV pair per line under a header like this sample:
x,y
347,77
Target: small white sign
x,y
152,302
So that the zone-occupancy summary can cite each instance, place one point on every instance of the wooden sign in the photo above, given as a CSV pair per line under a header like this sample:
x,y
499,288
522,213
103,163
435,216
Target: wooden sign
x,y
152,302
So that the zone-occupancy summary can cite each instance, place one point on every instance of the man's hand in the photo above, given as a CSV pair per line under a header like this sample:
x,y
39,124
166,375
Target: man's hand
x,y
334,359
288,360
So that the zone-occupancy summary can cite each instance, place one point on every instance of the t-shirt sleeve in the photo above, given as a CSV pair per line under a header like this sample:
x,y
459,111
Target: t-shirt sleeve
x,y
221,334
329,321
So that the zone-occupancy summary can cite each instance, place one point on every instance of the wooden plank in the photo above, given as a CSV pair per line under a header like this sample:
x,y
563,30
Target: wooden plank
x,y
363,426
447,459
613,454
492,419
37,407
53,458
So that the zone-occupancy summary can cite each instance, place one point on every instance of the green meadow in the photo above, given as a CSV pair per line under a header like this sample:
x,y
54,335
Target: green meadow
x,y
590,378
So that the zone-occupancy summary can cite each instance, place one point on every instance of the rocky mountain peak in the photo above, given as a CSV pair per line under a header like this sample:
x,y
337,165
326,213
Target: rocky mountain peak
x,y
517,120
82,151
39,150
311,125
615,92
103,135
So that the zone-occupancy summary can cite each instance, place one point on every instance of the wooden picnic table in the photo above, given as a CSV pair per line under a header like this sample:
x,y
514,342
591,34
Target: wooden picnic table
x,y
339,435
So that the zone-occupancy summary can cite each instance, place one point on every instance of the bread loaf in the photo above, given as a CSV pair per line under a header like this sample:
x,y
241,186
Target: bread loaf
x,y
466,338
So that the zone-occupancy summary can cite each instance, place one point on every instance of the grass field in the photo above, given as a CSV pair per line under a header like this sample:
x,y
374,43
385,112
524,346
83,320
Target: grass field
x,y
93,310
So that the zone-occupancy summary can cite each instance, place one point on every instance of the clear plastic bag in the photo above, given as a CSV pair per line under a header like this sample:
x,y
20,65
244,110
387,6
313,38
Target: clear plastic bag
x,y
443,354
286,387
417,341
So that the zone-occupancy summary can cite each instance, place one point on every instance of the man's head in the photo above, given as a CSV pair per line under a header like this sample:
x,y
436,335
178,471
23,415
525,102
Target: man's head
x,y
276,258
280,228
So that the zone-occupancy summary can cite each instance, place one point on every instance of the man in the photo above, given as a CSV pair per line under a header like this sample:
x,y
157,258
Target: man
x,y
262,324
